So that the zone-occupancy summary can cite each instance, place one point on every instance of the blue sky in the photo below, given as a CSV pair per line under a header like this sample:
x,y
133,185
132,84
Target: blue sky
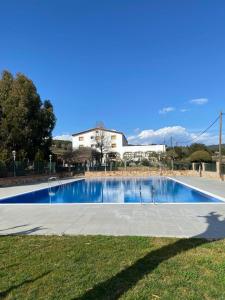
x,y
138,66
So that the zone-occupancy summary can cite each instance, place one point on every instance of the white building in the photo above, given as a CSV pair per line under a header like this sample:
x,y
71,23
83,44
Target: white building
x,y
114,141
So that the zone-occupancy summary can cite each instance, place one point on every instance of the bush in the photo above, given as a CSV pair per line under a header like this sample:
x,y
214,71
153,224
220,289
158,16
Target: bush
x,y
198,147
200,156
145,162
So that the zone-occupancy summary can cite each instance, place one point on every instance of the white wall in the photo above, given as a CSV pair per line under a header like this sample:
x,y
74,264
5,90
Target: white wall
x,y
88,141
121,144
144,148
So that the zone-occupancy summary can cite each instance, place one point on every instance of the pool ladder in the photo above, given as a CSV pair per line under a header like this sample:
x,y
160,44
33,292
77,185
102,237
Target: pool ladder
x,y
50,180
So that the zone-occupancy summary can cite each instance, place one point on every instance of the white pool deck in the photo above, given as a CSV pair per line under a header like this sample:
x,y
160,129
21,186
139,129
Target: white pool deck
x,y
164,220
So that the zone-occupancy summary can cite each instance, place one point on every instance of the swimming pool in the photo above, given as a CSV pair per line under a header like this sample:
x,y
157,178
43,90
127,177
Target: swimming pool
x,y
115,190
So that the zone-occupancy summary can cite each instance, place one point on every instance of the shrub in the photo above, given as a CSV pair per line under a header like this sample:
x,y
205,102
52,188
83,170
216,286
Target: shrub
x,y
200,156
145,162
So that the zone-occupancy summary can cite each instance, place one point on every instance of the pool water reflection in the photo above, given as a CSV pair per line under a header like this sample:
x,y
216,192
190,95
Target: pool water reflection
x,y
116,190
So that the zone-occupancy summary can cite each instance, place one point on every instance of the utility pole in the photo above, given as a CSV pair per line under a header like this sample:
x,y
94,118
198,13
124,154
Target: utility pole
x,y
171,144
220,145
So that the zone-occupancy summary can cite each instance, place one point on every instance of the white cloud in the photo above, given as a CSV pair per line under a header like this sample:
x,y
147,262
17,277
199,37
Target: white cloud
x,y
184,110
63,137
166,110
179,134
199,101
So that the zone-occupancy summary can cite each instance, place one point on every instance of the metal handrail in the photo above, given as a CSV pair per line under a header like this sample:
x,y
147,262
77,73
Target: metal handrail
x,y
50,192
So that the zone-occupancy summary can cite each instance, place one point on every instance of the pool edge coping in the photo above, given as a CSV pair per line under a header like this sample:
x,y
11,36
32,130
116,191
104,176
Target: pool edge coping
x,y
116,203
198,189
40,189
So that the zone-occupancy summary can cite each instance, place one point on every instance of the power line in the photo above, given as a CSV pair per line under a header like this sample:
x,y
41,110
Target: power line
x,y
201,133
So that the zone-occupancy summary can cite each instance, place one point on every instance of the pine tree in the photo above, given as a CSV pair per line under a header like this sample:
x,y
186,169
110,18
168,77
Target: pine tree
x,y
26,123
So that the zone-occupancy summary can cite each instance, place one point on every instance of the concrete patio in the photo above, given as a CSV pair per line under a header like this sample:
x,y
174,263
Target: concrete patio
x,y
167,220
213,186
26,188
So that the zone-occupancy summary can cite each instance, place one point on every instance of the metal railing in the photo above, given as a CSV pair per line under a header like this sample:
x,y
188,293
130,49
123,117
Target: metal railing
x,y
52,187
21,168
182,166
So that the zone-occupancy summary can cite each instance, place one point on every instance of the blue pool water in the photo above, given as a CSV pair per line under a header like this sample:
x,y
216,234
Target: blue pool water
x,y
121,190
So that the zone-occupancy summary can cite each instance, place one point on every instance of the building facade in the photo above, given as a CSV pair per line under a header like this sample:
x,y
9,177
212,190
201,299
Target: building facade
x,y
114,141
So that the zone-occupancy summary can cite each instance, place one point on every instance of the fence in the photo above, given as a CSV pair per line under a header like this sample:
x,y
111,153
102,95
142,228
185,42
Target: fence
x,y
72,170
223,169
21,168
196,166
210,167
103,168
182,166
177,166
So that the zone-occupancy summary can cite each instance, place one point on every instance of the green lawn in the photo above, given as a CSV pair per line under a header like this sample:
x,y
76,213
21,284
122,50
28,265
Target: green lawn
x,y
38,267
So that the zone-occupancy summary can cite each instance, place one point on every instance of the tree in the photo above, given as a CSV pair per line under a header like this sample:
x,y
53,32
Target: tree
x,y
5,88
197,147
171,154
145,162
200,156
86,154
26,123
181,152
102,139
82,155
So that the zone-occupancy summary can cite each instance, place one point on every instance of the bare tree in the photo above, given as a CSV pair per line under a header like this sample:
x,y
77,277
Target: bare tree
x,y
99,124
102,139
82,155
85,154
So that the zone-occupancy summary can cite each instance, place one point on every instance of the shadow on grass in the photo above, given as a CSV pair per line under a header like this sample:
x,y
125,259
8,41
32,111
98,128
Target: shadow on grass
x,y
5,293
113,288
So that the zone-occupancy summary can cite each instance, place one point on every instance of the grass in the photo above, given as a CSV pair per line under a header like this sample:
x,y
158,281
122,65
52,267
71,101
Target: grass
x,y
87,267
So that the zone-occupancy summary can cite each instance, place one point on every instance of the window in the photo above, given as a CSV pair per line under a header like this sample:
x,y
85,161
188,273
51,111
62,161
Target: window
x,y
81,138
92,137
113,137
113,145
92,145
